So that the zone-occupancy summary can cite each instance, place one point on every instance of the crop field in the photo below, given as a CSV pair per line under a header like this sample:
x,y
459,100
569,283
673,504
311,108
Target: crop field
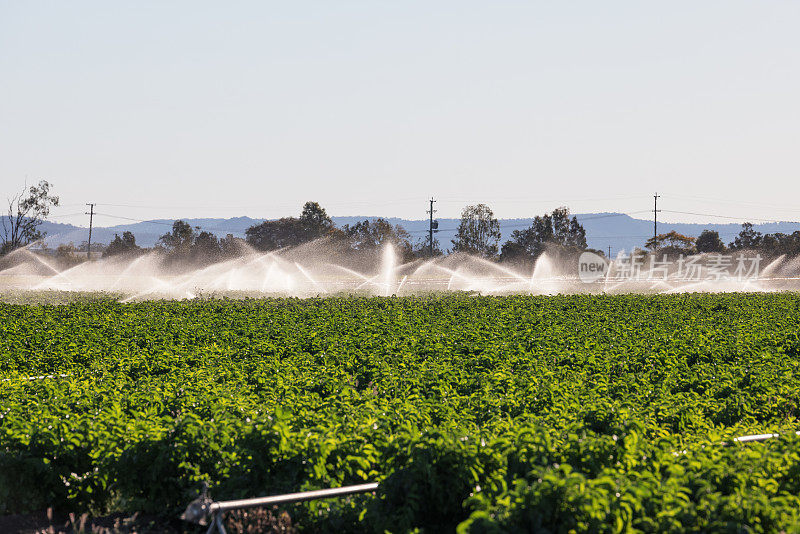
x,y
476,414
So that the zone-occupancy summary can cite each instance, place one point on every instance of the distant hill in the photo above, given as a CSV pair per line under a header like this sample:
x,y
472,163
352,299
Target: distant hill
x,y
617,230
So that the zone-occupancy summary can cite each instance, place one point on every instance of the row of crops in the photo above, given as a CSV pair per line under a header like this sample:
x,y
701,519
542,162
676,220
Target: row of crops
x,y
477,414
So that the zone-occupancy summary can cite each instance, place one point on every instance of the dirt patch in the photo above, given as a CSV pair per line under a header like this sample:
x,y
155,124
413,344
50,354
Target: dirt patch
x,y
47,522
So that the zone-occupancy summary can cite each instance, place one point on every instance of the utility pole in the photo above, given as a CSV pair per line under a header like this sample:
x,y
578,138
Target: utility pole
x,y
655,220
609,252
431,228
90,213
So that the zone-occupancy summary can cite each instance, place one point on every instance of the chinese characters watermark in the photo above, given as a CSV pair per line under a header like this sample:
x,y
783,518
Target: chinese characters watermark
x,y
638,267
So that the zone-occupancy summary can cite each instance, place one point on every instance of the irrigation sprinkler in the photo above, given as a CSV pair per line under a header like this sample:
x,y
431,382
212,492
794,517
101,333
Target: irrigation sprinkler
x,y
205,511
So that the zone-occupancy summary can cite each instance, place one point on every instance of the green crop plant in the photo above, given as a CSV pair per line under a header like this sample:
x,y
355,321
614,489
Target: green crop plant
x,y
476,414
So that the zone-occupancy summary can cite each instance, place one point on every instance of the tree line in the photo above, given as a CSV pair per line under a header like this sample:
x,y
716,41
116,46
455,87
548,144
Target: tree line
x,y
709,241
478,233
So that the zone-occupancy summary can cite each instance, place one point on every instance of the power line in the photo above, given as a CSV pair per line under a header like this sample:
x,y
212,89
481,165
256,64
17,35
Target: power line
x,y
436,229
452,200
66,215
725,216
735,202
505,226
560,201
525,225
261,206
370,201
207,229
581,219
393,201
151,221
612,215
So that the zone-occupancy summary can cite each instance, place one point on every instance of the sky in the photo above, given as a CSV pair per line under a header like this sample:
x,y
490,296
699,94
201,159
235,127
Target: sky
x,y
223,109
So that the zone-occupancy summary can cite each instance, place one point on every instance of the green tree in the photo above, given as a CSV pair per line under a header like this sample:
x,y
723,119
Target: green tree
x,y
671,243
273,235
554,230
67,255
180,240
96,247
312,224
231,246
780,243
748,238
422,248
122,245
709,241
206,247
26,212
315,221
478,233
367,235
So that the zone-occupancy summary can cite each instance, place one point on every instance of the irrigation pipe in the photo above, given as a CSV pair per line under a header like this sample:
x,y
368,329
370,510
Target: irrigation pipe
x,y
757,437
741,439
203,508
42,377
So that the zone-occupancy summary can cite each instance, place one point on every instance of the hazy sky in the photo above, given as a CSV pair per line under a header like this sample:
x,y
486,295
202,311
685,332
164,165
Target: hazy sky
x,y
185,109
